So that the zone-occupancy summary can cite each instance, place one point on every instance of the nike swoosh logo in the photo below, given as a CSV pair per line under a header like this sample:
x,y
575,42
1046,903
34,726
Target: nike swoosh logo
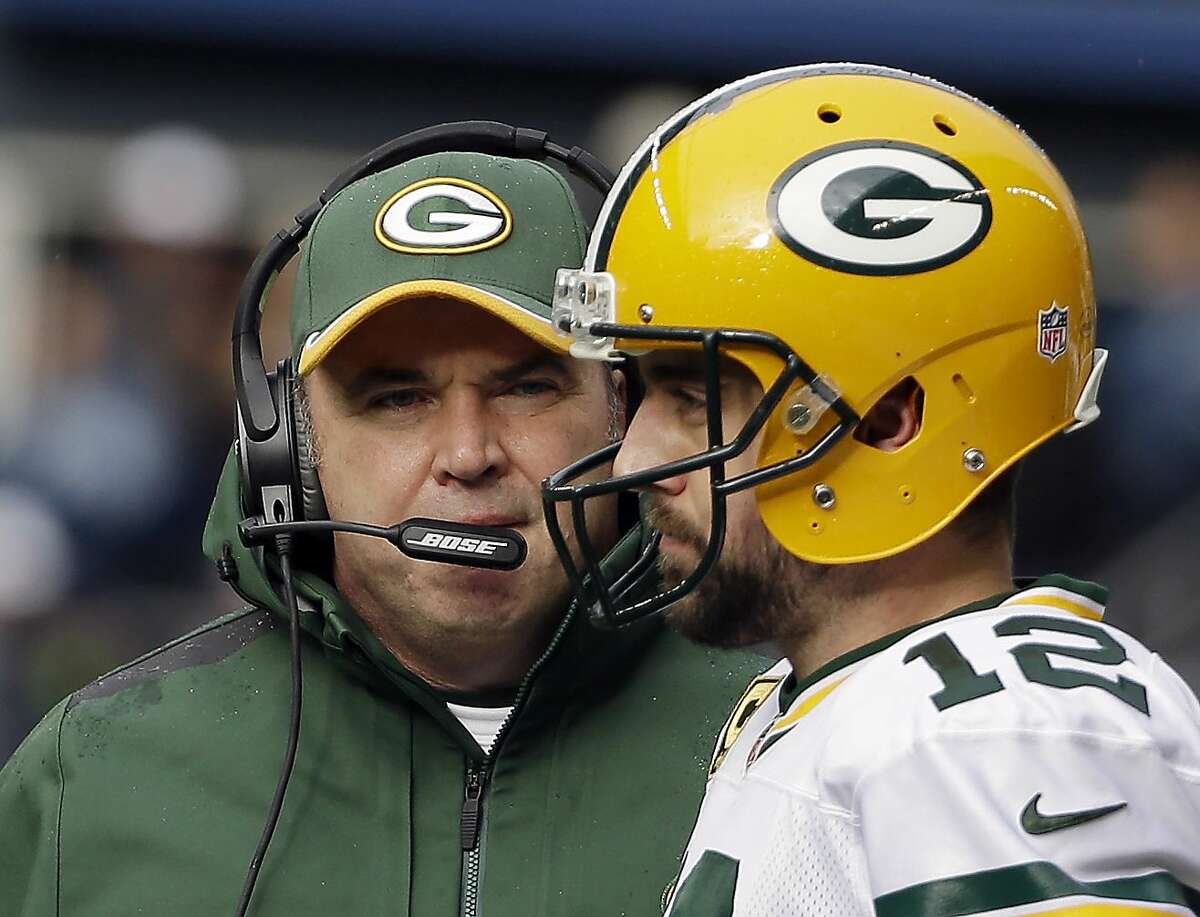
x,y
1034,822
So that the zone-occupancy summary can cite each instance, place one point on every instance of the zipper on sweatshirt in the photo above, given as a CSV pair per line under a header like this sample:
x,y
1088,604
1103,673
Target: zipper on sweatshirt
x,y
470,827
475,789
527,682
472,811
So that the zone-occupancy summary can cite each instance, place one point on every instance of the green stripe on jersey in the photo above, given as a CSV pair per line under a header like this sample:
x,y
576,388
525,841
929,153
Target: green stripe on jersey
x,y
1085,588
709,888
1027,883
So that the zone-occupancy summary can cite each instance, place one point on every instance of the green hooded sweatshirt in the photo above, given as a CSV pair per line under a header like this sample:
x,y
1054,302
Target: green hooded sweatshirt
x,y
146,791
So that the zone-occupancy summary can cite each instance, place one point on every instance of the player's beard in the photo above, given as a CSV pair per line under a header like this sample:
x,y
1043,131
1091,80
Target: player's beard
x,y
757,591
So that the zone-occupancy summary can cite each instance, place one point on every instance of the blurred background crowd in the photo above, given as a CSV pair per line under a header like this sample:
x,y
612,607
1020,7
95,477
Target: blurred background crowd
x,y
147,150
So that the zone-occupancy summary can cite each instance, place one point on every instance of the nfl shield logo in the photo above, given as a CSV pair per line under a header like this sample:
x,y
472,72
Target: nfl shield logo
x,y
1052,332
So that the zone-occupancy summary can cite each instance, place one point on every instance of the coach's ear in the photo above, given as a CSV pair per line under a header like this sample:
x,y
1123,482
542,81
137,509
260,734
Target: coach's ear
x,y
895,419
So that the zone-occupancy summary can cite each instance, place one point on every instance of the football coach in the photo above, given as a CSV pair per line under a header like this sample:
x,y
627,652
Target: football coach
x,y
468,743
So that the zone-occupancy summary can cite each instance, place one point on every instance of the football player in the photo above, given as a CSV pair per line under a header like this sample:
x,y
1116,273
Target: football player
x,y
861,297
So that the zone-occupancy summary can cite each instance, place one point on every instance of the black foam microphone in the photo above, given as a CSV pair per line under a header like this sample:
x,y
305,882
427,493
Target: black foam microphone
x,y
436,540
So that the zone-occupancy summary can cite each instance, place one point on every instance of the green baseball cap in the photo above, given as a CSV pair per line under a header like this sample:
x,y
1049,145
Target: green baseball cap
x,y
482,229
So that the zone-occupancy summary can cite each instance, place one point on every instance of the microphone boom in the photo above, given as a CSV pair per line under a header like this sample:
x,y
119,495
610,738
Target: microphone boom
x,y
485,546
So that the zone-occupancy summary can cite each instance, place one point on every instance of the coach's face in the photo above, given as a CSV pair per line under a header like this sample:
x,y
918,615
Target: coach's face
x,y
436,408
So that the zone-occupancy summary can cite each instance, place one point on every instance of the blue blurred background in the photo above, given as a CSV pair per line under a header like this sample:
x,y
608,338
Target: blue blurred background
x,y
147,149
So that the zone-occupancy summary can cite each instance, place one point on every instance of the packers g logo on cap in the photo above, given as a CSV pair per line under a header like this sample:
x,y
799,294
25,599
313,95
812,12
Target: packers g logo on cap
x,y
443,216
879,207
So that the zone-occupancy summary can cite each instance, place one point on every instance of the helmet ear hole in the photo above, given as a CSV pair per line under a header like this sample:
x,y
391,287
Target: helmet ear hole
x,y
895,419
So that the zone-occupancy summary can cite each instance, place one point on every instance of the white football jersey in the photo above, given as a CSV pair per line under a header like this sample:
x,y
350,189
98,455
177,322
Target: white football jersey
x,y
1014,757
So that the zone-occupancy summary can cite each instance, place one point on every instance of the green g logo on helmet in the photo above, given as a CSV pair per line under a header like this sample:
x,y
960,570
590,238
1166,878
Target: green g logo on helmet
x,y
880,207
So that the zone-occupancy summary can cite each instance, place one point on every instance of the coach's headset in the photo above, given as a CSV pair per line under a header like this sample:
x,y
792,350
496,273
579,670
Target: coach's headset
x,y
280,490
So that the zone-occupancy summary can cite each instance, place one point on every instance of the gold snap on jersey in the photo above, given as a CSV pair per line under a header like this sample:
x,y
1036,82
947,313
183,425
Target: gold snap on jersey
x,y
1017,756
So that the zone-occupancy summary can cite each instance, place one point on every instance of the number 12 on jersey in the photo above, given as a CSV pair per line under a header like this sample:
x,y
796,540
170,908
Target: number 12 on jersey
x,y
961,682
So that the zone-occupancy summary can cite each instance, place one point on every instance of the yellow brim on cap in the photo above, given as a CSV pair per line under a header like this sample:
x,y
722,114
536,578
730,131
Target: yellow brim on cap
x,y
318,345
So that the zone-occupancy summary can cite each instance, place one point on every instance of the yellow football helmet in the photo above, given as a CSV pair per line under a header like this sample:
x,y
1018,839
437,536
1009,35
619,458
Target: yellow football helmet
x,y
837,229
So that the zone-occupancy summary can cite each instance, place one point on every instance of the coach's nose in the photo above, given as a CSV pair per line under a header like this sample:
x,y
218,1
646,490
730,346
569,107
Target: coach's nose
x,y
467,446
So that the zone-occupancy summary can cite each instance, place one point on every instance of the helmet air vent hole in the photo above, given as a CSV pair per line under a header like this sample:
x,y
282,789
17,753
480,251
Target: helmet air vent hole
x,y
964,388
830,114
945,125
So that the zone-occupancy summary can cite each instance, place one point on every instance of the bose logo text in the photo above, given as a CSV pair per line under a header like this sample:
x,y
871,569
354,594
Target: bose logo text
x,y
458,543
474,218
879,207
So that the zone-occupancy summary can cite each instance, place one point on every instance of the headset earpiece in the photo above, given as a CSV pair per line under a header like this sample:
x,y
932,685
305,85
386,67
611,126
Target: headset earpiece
x,y
270,488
